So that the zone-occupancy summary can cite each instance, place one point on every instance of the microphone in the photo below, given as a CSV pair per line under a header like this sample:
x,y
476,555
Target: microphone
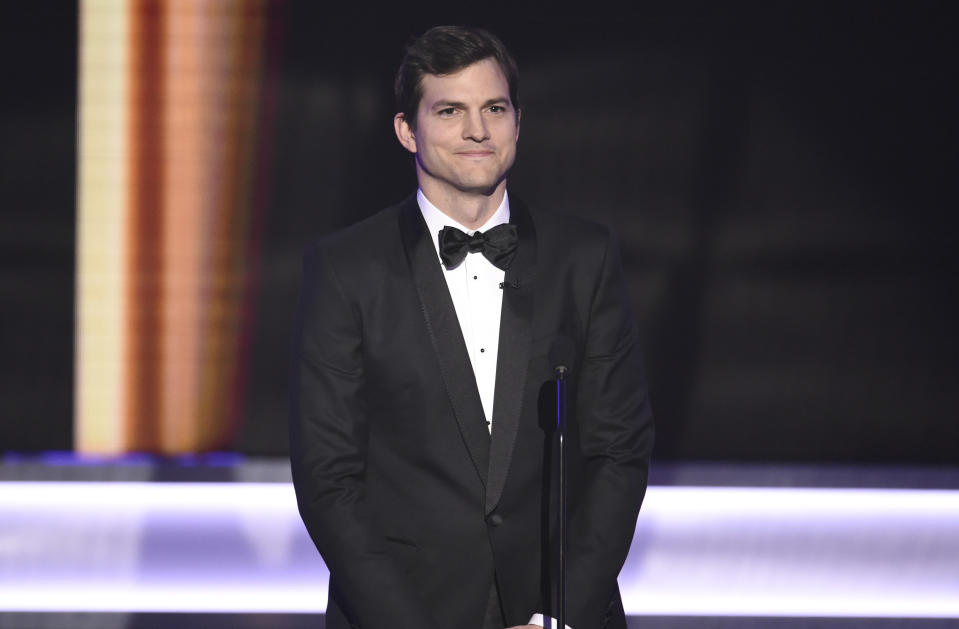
x,y
561,356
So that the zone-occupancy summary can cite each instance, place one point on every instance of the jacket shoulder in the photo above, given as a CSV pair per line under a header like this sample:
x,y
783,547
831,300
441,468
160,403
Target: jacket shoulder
x,y
572,235
352,244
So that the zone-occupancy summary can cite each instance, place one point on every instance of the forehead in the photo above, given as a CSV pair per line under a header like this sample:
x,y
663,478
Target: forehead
x,y
481,81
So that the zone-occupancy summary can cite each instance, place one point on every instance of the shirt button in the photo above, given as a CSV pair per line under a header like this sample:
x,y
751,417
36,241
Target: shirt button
x,y
476,277
482,350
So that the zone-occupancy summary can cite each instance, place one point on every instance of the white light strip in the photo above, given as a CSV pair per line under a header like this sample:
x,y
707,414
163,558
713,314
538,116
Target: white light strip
x,y
795,552
240,547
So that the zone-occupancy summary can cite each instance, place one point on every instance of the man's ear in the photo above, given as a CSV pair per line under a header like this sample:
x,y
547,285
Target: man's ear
x,y
404,133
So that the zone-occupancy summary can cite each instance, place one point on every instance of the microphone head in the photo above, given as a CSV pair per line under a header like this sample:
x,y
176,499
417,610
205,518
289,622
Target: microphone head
x,y
562,353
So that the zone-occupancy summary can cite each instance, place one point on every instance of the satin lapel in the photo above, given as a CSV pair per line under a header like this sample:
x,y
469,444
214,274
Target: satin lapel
x,y
446,335
512,360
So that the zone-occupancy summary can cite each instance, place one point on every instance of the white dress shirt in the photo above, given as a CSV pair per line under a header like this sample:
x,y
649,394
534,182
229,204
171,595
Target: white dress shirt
x,y
475,288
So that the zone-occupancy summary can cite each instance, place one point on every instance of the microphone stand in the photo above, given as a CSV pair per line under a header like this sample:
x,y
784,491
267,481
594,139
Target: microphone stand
x,y
561,398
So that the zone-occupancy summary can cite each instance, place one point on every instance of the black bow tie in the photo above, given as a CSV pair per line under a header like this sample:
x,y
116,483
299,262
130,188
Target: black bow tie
x,y
498,245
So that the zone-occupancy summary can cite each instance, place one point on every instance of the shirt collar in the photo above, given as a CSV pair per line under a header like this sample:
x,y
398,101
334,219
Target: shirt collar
x,y
436,220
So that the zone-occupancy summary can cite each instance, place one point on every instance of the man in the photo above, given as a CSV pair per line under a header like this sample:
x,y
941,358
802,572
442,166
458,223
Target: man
x,y
420,398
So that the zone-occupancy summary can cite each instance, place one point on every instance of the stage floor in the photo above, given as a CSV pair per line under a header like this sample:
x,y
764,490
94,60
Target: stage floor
x,y
216,541
317,621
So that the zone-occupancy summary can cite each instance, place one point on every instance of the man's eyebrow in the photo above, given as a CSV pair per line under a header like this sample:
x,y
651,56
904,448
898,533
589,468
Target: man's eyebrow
x,y
443,104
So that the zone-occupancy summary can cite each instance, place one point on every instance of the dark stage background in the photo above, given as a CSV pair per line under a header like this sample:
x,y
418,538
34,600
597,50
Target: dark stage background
x,y
781,175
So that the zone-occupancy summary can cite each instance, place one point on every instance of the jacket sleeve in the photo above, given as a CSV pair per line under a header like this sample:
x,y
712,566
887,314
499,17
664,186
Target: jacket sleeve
x,y
328,455
615,433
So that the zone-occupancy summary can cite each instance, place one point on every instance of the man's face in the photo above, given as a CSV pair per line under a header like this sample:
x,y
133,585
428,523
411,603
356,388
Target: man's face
x,y
465,140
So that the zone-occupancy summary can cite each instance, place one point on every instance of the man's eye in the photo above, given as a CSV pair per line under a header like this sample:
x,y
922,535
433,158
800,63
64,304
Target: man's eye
x,y
497,109
447,111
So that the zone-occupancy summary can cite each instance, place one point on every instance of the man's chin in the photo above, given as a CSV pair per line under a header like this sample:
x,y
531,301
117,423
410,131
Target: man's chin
x,y
479,185
484,187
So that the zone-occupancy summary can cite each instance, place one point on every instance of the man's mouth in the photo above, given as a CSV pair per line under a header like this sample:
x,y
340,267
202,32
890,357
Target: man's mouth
x,y
474,154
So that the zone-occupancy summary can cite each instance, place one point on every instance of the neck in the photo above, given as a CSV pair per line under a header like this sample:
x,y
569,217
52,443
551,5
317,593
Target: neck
x,y
469,210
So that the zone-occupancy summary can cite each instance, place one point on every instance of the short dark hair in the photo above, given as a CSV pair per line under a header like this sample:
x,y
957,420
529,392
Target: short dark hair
x,y
445,50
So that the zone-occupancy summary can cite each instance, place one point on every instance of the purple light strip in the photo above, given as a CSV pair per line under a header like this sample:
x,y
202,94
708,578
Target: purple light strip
x,y
795,552
240,547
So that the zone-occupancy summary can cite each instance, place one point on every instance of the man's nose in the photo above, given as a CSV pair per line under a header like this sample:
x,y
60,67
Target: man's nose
x,y
474,127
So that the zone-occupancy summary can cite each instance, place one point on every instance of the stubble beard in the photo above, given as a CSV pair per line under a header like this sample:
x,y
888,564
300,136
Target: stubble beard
x,y
460,182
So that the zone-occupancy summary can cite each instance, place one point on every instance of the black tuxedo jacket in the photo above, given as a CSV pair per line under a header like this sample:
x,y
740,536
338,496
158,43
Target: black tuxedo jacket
x,y
413,505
